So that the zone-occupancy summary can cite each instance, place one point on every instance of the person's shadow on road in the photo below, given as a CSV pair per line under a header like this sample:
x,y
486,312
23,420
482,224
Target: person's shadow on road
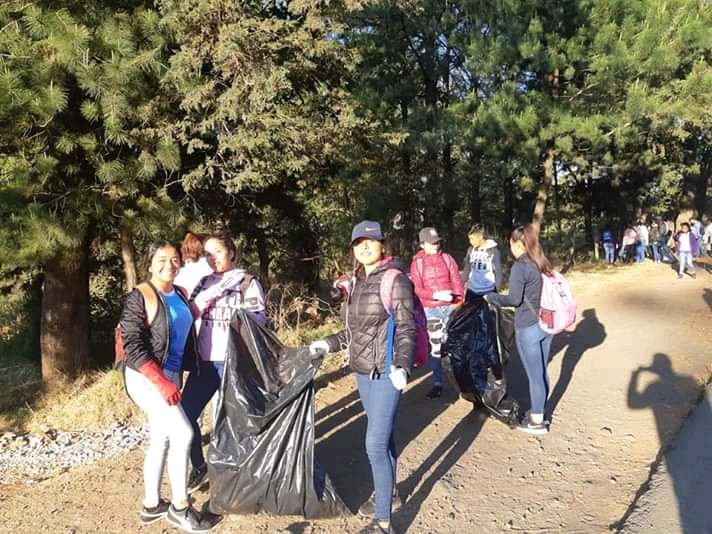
x,y
670,396
589,333
707,296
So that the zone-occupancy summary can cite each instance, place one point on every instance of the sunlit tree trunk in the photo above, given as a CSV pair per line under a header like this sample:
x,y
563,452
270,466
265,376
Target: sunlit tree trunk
x,y
543,190
64,328
128,254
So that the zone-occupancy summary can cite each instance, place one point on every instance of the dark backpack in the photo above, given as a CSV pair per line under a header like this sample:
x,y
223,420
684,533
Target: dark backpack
x,y
422,343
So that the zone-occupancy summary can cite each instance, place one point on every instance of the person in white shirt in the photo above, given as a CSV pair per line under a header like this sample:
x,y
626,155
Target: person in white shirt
x,y
686,247
195,266
707,240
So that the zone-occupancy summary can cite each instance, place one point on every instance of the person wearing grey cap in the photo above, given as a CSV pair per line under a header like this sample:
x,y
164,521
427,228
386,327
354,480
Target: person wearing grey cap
x,y
379,383
439,287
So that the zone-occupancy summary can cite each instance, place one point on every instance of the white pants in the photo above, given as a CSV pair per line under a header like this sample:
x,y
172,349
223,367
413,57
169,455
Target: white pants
x,y
170,434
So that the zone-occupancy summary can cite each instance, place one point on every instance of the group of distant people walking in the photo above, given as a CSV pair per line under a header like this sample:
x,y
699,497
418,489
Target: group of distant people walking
x,y
657,239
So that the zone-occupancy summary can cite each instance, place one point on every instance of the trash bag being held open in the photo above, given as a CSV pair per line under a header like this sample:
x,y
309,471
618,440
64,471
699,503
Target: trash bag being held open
x,y
479,340
261,455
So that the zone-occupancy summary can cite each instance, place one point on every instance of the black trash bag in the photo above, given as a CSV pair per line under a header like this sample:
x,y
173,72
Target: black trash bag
x,y
261,454
479,340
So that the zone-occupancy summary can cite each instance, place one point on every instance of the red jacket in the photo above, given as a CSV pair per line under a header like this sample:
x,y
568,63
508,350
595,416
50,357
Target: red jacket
x,y
436,272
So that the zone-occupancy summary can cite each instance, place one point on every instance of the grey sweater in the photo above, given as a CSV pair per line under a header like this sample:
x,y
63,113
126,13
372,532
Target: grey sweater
x,y
524,279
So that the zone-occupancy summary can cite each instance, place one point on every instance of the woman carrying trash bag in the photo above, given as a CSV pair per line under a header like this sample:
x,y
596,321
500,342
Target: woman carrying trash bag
x,y
533,344
379,382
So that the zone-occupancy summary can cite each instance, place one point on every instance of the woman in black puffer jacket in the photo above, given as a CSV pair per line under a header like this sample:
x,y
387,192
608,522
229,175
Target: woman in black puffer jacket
x,y
379,383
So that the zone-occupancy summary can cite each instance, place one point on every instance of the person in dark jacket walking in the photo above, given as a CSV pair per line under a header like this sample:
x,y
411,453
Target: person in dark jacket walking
x,y
156,355
533,344
439,287
379,383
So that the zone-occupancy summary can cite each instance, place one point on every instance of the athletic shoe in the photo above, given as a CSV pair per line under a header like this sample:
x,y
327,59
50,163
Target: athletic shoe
x,y
435,393
198,476
368,508
533,428
186,519
151,515
207,517
679,275
375,528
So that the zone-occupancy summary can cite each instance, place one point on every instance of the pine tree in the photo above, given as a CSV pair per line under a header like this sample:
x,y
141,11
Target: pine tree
x,y
77,155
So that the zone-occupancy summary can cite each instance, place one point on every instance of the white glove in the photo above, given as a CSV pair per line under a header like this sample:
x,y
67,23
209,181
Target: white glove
x,y
445,295
319,348
207,297
399,377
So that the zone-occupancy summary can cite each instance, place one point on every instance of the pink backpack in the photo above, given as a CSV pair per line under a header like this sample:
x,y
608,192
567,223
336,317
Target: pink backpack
x,y
422,344
557,308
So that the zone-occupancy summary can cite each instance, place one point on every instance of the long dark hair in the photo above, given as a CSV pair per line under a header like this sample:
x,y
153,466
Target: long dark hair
x,y
528,235
154,247
226,241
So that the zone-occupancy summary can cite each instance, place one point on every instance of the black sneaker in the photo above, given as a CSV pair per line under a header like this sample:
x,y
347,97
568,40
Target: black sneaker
x,y
375,528
368,508
208,517
533,428
198,476
435,393
186,519
151,515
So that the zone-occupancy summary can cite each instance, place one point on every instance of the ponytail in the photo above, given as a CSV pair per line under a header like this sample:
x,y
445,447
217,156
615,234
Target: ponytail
x,y
528,235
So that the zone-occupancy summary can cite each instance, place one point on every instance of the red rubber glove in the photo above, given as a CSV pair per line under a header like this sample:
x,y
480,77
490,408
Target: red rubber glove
x,y
168,390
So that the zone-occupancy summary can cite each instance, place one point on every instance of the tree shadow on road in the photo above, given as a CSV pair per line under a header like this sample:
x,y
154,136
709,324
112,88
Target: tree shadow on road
x,y
589,333
341,431
671,396
439,463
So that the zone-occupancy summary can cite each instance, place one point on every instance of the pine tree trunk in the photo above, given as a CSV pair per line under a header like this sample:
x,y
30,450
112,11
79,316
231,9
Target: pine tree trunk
x,y
128,254
508,211
703,183
64,329
543,190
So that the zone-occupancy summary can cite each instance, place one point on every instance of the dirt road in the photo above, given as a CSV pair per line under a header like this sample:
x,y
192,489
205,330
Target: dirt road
x,y
622,381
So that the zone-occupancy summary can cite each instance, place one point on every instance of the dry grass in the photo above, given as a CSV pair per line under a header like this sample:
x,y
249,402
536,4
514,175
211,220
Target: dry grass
x,y
94,402
98,399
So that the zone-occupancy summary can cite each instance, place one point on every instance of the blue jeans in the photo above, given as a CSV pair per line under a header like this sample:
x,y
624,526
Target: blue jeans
x,y
639,252
666,252
437,320
533,345
657,245
686,258
610,251
199,389
380,402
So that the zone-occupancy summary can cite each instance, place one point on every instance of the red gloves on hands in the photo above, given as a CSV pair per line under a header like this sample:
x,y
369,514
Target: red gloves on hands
x,y
168,390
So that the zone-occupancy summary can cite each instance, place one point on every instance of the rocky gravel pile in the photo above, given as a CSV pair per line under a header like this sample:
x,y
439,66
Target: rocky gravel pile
x,y
28,457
